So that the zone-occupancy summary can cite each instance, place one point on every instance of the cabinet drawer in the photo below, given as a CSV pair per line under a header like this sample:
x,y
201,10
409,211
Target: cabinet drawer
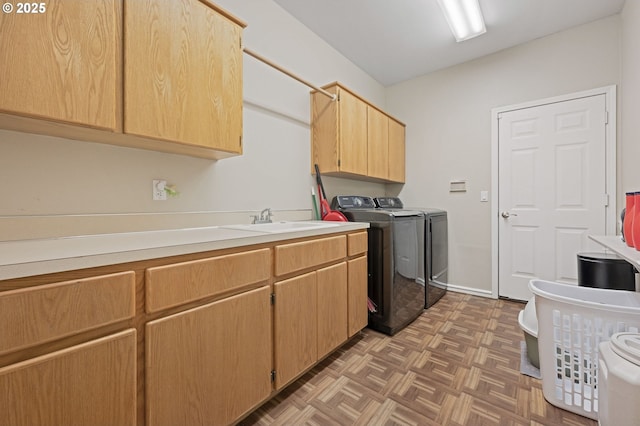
x,y
173,285
307,254
44,313
357,243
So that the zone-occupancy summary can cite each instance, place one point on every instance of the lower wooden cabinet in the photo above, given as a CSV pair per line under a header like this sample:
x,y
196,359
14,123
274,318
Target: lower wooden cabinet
x,y
172,285
295,327
357,295
93,383
211,364
40,314
205,334
332,308
310,319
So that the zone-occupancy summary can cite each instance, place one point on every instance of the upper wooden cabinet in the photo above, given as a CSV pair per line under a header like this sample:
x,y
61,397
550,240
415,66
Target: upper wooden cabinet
x,y
183,74
396,151
152,74
352,138
63,63
339,133
378,138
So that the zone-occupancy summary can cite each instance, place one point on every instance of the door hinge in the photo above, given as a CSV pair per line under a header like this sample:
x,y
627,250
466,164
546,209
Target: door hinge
x,y
273,298
606,200
273,376
338,162
606,117
240,141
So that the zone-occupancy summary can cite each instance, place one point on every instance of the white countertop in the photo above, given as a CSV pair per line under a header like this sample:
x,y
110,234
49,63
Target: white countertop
x,y
43,256
615,244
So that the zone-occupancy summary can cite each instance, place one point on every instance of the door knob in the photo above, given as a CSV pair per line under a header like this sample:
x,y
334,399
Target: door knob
x,y
506,215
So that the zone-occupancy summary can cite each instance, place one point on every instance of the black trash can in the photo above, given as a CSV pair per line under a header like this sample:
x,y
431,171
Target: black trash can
x,y
605,270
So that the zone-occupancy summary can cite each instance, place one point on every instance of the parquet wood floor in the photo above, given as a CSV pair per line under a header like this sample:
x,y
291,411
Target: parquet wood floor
x,y
457,364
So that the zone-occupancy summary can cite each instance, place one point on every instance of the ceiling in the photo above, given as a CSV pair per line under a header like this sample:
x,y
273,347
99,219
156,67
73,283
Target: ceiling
x,y
396,40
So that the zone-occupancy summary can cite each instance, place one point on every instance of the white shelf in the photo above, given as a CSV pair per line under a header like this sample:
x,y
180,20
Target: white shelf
x,y
615,244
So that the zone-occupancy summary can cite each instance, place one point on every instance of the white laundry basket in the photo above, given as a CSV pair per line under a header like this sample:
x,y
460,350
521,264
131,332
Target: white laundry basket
x,y
572,322
620,380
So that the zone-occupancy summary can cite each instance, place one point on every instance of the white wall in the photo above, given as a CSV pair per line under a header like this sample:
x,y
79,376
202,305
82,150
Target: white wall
x,y
51,176
448,137
630,101
448,117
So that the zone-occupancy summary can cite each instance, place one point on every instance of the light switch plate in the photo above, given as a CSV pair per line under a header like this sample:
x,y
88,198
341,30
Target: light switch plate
x,y
484,196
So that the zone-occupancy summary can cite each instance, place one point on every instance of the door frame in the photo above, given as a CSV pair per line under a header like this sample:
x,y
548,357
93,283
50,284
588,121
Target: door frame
x,y
611,215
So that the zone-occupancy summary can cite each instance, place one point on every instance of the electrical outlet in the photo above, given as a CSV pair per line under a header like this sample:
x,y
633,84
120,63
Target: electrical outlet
x,y
159,194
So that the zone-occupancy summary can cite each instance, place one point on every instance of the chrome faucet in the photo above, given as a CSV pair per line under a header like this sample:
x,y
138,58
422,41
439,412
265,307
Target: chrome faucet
x,y
263,217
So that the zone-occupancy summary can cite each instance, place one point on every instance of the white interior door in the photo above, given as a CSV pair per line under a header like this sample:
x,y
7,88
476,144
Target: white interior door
x,y
552,190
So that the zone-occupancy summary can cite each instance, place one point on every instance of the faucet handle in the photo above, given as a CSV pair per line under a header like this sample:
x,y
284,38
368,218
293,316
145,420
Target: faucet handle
x,y
265,215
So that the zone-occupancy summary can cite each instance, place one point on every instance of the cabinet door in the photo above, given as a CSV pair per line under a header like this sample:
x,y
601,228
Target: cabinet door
x,y
332,308
396,151
295,328
357,288
324,132
378,135
353,134
183,74
89,384
211,364
62,64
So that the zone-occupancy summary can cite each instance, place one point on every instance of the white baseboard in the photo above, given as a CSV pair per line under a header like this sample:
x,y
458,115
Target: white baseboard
x,y
469,290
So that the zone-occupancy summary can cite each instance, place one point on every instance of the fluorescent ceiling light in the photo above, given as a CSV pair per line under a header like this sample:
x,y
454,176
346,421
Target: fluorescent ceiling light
x,y
464,18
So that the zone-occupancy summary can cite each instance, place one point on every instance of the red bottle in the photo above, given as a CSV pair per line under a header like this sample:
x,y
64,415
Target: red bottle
x,y
629,214
635,225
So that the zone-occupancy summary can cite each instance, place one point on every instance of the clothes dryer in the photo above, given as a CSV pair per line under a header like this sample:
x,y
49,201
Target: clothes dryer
x,y
436,249
395,261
